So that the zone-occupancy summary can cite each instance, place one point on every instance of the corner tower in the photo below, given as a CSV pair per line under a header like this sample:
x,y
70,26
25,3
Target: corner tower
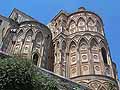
x,y
81,50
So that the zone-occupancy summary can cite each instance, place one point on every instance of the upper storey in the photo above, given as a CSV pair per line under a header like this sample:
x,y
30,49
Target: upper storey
x,y
19,16
79,21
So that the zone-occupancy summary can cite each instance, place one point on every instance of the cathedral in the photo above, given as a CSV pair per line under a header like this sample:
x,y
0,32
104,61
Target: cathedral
x,y
72,45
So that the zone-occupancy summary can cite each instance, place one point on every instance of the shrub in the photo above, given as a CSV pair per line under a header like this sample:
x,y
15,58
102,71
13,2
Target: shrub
x,y
21,74
15,74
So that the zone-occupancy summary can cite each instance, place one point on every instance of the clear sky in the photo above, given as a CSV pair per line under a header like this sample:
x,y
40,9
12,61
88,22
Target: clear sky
x,y
45,10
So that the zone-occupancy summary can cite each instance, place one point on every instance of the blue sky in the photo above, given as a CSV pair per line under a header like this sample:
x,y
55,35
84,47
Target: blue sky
x,y
45,10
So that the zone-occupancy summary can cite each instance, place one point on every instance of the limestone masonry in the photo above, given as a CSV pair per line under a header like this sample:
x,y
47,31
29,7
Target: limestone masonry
x,y
72,45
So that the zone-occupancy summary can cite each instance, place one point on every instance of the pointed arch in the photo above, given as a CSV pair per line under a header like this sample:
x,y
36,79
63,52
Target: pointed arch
x,y
94,44
28,36
103,44
83,45
35,58
72,27
19,36
90,22
27,46
39,38
73,59
81,24
104,51
72,44
19,42
104,55
83,56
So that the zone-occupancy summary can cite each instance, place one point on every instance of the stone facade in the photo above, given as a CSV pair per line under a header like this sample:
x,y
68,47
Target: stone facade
x,y
73,46
27,38
81,50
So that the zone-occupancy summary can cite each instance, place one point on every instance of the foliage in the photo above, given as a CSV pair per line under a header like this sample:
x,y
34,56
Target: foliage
x,y
15,74
21,74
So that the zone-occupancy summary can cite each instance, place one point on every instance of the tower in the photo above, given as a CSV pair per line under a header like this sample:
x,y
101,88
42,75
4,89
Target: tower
x,y
81,50
25,37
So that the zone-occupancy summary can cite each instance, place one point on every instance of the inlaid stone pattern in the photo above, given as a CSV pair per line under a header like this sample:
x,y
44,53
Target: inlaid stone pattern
x,y
72,45
87,52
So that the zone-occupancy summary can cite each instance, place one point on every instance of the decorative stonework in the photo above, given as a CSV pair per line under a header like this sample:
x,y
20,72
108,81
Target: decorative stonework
x,y
78,48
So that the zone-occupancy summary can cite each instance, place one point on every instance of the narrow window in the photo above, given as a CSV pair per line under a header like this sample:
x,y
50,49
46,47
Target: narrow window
x,y
0,22
35,58
104,55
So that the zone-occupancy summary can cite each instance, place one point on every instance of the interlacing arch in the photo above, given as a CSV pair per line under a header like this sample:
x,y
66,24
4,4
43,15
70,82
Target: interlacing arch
x,y
29,35
73,59
104,52
83,56
72,27
81,24
83,44
19,42
28,41
91,24
38,39
95,84
94,44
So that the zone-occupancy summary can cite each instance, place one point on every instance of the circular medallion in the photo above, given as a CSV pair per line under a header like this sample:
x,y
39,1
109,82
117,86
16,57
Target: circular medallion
x,y
73,70
95,57
85,68
97,68
84,57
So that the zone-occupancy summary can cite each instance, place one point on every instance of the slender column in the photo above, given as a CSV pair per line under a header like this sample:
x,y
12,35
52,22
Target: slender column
x,y
67,65
78,62
90,62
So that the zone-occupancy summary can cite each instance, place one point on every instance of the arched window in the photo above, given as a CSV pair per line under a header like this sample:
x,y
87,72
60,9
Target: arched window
x,y
94,50
28,41
95,56
28,36
39,38
19,42
94,45
19,36
83,49
73,60
91,24
81,24
35,58
72,27
104,55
